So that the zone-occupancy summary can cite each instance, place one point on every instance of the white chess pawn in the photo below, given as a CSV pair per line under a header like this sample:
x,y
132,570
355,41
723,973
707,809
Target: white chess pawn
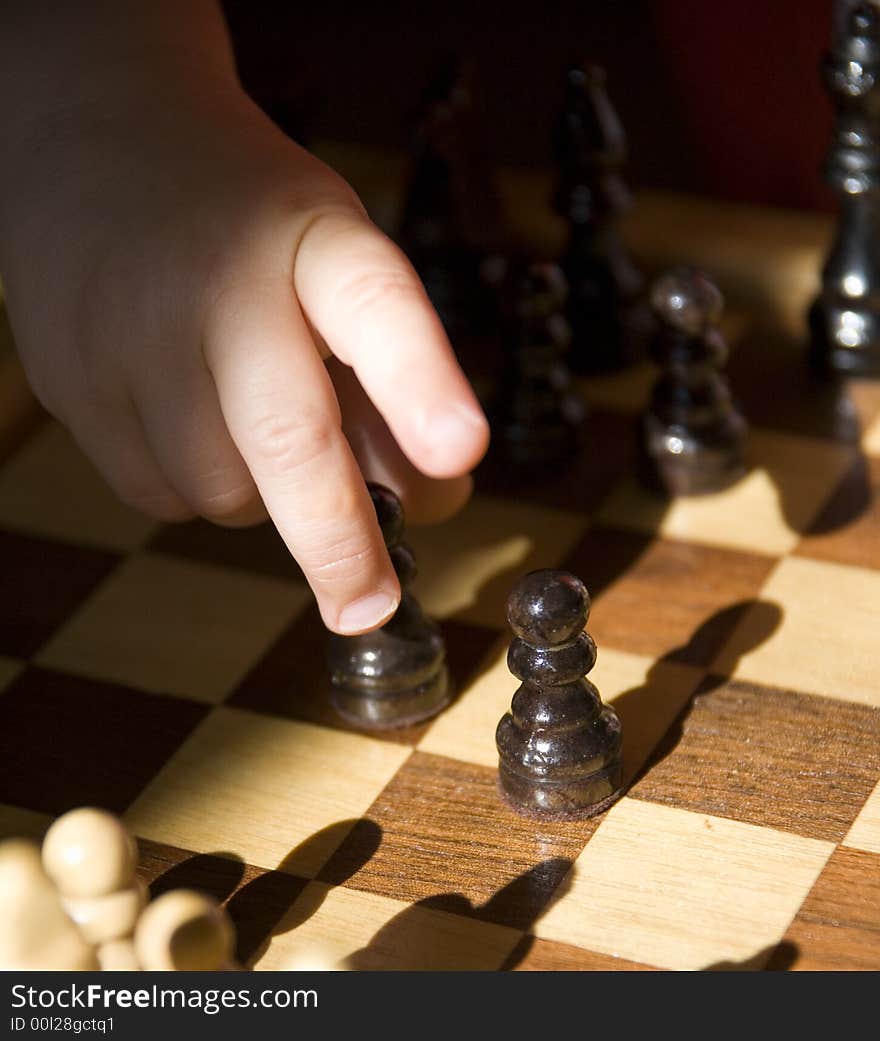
x,y
91,857
35,931
187,931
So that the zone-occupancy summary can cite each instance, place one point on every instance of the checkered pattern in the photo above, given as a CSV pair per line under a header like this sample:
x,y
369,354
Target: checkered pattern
x,y
173,675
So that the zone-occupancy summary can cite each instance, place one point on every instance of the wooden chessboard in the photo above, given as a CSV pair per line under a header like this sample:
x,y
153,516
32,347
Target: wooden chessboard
x,y
174,675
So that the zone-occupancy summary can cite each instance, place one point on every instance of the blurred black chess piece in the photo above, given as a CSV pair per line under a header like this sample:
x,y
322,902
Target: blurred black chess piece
x,y
609,318
537,419
693,435
845,318
451,221
395,676
559,747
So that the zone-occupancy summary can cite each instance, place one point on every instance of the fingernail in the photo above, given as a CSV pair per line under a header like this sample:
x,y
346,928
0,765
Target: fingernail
x,y
454,426
367,613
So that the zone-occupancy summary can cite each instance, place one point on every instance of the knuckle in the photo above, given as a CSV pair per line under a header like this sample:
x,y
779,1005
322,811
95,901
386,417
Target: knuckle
x,y
345,560
379,287
226,501
287,443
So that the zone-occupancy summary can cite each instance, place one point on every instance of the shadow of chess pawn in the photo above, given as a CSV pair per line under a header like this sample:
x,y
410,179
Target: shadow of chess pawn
x,y
537,417
693,436
559,747
395,676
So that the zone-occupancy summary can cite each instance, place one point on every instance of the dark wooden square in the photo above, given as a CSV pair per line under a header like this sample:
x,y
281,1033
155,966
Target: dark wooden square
x,y
259,549
67,741
607,451
769,757
534,955
662,597
450,842
44,581
838,926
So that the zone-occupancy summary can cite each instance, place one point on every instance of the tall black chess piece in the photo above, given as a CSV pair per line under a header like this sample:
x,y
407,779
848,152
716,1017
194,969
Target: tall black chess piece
x,y
451,219
395,676
693,436
610,322
845,318
559,747
537,418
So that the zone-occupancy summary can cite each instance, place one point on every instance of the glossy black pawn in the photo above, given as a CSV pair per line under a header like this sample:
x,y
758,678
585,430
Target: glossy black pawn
x,y
537,418
559,747
845,318
693,437
609,320
395,676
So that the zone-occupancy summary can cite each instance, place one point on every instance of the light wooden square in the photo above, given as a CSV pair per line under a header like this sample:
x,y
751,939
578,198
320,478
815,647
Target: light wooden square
x,y
865,830
649,695
19,823
50,488
871,438
679,890
338,928
764,512
9,669
175,626
258,787
827,642
466,730
468,564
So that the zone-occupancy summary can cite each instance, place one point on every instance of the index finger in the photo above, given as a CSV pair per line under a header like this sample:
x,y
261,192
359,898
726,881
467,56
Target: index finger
x,y
365,300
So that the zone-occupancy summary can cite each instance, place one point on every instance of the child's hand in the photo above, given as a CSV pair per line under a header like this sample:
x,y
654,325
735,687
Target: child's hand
x,y
177,271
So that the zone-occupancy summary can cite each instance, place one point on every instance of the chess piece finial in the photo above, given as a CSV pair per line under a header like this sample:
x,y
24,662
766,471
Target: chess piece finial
x,y
559,747
91,857
845,318
186,931
693,436
395,676
537,418
608,317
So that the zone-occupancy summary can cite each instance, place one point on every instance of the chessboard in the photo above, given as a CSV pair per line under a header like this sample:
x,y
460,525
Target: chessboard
x,y
175,676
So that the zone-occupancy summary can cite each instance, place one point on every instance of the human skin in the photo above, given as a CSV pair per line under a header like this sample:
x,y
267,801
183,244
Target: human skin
x,y
207,307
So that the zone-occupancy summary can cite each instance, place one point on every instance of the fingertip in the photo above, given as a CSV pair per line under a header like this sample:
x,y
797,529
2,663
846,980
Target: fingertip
x,y
364,614
456,437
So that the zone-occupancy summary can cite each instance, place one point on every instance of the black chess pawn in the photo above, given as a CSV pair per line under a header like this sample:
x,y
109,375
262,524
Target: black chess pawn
x,y
845,318
693,436
537,418
609,319
395,676
451,219
559,747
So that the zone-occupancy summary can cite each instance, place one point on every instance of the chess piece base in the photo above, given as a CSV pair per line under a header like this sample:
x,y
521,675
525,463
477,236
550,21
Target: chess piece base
x,y
390,710
675,462
561,800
